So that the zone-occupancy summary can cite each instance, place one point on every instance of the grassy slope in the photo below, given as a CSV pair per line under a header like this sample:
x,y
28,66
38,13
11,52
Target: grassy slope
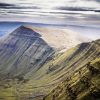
x,y
60,67
83,85
52,73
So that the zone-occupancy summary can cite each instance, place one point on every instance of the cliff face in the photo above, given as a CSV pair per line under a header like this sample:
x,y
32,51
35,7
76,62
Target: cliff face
x,y
22,51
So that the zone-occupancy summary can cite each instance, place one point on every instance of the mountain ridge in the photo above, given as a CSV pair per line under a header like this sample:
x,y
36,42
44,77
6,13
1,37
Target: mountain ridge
x,y
80,86
30,68
17,45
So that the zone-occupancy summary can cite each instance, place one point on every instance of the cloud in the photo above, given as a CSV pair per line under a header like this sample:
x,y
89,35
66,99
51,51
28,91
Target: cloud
x,y
92,17
13,6
77,9
6,5
95,0
74,9
66,10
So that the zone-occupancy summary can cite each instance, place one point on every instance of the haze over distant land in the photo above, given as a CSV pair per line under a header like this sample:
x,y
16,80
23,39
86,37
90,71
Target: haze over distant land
x,y
90,32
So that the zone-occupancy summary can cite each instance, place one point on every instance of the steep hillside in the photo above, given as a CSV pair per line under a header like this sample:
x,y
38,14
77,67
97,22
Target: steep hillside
x,y
84,84
62,66
30,68
26,49
22,51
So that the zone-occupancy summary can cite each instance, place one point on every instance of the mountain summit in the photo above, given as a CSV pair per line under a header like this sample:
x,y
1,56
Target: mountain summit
x,y
22,51
25,31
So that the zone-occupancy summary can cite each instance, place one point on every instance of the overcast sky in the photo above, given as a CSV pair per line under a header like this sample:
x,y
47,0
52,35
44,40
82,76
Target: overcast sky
x,y
74,13
51,11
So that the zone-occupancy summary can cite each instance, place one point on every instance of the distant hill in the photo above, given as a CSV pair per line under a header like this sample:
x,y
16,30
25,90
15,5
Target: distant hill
x,y
60,38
